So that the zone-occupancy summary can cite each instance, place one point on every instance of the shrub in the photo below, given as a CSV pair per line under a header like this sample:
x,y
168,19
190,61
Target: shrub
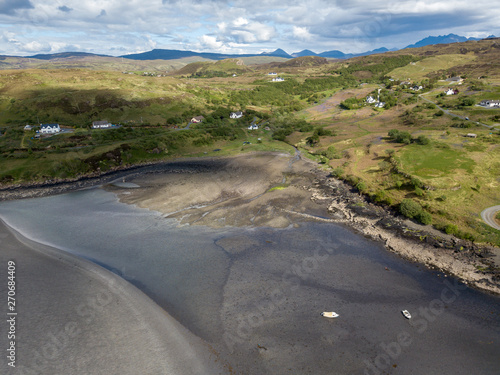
x,y
382,197
400,136
410,208
423,140
451,229
323,132
424,217
338,172
419,192
361,186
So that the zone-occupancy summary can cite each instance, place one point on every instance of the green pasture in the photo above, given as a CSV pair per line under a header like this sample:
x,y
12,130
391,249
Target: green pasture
x,y
420,69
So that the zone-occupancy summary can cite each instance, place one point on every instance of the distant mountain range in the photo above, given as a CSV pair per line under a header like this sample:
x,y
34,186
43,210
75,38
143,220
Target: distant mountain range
x,y
444,39
168,54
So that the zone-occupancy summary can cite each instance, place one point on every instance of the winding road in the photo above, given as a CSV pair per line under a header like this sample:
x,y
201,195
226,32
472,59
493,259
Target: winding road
x,y
488,215
455,115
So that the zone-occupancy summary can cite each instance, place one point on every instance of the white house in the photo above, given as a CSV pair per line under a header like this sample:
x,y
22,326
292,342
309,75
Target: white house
x,y
101,124
253,127
370,100
490,103
50,128
272,74
380,105
450,92
28,127
238,114
277,79
457,79
197,119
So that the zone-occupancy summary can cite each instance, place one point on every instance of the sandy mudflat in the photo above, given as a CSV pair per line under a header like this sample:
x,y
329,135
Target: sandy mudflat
x,y
247,190
277,190
76,318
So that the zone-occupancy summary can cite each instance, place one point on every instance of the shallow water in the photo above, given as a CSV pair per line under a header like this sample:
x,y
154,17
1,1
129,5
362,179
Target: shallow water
x,y
255,294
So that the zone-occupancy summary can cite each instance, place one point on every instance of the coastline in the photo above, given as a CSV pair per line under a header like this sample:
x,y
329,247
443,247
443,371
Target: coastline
x,y
475,265
94,321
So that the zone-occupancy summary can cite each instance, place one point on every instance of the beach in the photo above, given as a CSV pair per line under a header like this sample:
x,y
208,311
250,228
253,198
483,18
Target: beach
x,y
74,317
231,261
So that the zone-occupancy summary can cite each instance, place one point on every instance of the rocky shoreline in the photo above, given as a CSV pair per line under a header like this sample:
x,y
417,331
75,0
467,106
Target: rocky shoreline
x,y
474,265
471,263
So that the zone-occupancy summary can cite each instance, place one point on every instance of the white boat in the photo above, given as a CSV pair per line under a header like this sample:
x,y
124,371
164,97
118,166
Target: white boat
x,y
329,314
406,314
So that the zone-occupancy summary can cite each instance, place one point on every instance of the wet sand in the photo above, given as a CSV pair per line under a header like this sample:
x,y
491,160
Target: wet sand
x,y
74,317
276,190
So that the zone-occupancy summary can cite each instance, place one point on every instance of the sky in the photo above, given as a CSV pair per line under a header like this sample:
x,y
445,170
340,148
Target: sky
x,y
120,27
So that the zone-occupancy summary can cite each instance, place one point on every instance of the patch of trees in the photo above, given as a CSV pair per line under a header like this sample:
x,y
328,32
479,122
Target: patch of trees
x,y
318,132
210,74
378,66
405,137
283,126
413,210
352,103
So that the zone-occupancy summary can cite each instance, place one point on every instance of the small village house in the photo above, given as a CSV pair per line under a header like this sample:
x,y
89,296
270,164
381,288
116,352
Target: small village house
x,y
457,79
50,128
197,119
451,91
490,103
28,127
101,124
238,114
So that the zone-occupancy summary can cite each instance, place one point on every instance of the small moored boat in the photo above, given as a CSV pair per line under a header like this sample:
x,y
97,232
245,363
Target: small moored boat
x,y
329,314
406,314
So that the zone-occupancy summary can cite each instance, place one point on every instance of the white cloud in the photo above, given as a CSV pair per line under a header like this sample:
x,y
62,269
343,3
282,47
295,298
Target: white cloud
x,y
302,33
116,25
211,42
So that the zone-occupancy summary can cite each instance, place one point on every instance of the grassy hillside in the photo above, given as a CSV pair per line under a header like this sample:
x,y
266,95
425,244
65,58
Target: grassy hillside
x,y
223,68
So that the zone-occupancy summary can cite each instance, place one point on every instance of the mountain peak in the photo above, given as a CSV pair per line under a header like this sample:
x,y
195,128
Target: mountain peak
x,y
303,53
279,52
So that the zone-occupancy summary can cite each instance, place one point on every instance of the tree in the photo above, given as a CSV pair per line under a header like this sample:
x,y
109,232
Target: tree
x,y
410,208
400,136
424,217
423,140
312,140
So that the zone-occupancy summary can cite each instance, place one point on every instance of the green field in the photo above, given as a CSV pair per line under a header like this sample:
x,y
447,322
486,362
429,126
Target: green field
x,y
431,161
418,70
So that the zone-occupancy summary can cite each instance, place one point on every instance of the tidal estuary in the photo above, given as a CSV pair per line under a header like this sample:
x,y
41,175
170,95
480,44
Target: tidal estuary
x,y
252,294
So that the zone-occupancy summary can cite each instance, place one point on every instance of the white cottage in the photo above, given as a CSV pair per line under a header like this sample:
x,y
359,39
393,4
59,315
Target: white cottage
x,y
101,125
238,114
50,128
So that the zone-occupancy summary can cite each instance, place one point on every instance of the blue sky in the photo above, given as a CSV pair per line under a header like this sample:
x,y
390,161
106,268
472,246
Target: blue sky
x,y
117,27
